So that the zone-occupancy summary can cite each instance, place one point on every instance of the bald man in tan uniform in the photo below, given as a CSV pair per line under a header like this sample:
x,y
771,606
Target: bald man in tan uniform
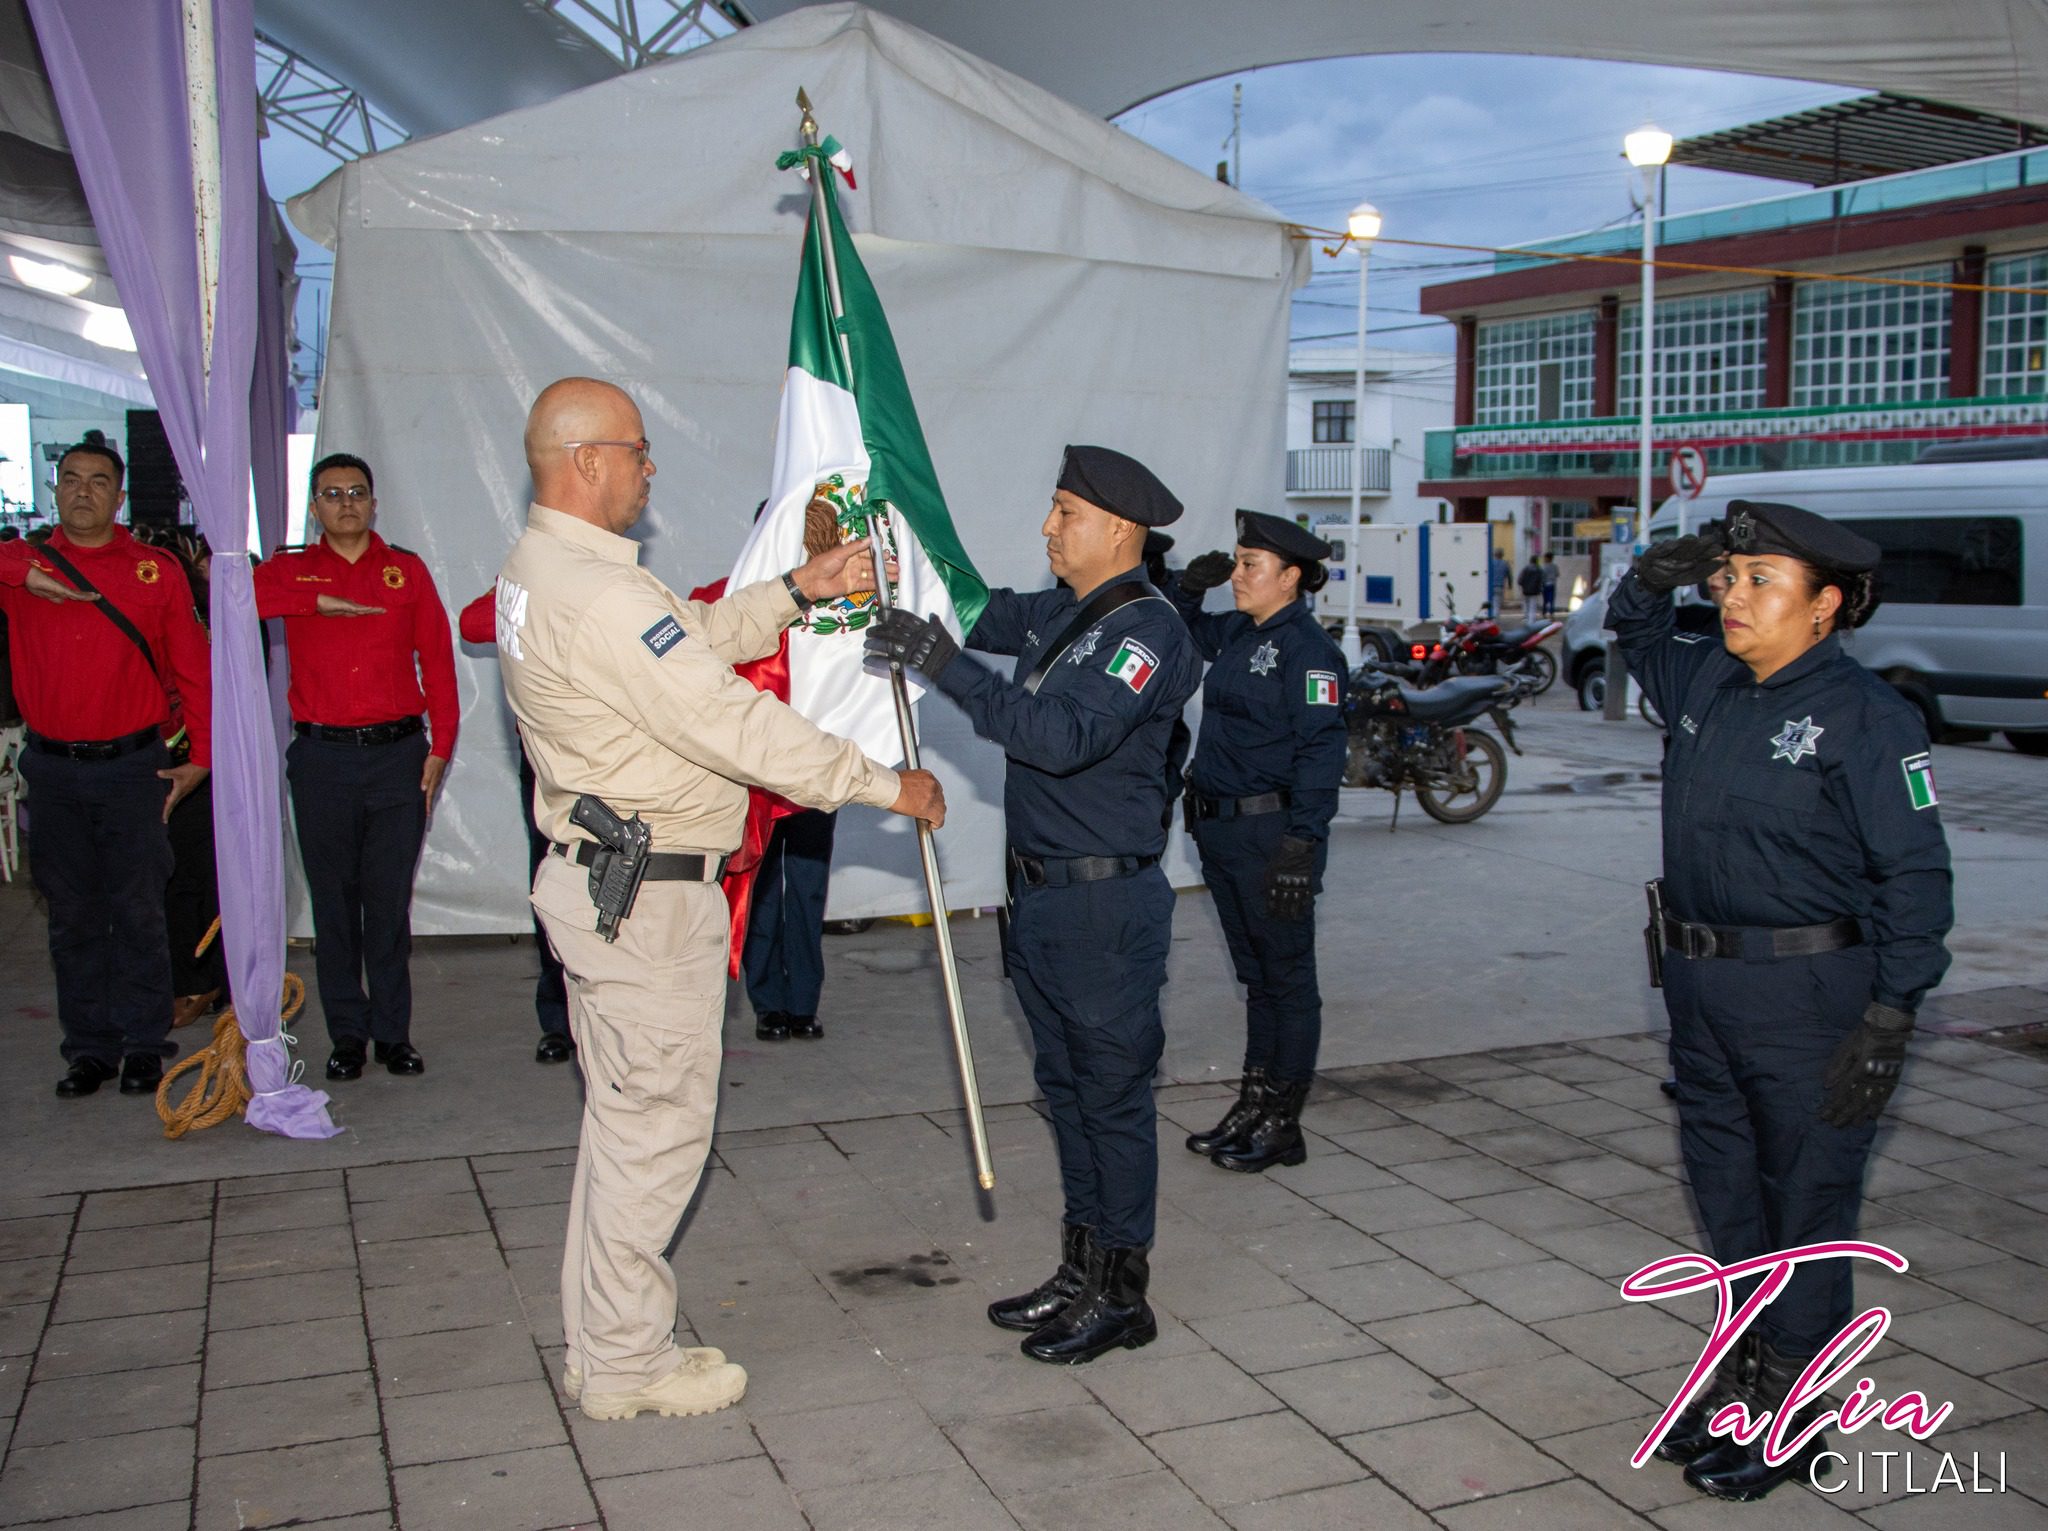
x,y
626,692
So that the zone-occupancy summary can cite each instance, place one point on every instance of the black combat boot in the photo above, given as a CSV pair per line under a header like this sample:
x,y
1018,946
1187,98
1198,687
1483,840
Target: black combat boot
x,y
1275,1138
1043,1303
1110,1311
1236,1119
1734,1471
1688,1439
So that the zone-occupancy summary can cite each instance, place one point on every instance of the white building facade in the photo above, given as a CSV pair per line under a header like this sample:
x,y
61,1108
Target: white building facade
x,y
1406,394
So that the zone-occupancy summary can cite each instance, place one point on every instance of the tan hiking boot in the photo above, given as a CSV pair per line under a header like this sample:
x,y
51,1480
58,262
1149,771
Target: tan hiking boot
x,y
699,1356
686,1390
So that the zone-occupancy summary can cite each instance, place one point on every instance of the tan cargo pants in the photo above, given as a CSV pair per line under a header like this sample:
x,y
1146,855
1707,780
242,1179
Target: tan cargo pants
x,y
648,1014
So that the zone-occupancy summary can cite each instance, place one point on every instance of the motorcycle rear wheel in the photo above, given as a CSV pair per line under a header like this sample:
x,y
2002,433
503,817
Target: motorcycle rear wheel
x,y
1486,769
1540,665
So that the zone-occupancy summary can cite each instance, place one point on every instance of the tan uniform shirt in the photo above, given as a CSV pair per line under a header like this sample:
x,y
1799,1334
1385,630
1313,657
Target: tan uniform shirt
x,y
626,691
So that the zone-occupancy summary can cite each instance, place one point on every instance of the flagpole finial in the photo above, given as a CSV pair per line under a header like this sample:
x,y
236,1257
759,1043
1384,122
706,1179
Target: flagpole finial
x,y
809,126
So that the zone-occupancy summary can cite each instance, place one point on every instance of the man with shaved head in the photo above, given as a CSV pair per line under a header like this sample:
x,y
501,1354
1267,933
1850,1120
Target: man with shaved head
x,y
625,695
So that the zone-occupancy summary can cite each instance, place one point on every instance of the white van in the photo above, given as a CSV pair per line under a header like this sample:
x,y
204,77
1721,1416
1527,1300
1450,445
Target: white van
x,y
1962,628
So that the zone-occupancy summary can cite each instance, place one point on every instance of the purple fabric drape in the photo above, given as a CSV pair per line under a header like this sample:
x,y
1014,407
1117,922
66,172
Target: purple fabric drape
x,y
117,68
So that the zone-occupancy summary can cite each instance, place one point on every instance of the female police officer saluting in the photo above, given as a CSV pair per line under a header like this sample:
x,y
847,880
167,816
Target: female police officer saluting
x,y
1261,795
1806,894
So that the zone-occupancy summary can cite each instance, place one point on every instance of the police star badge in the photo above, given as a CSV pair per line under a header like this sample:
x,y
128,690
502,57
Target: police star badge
x,y
1084,646
1265,657
1795,740
394,576
148,572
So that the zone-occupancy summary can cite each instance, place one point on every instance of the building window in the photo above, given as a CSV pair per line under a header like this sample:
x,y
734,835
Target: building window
x,y
1559,536
1332,422
1534,369
2015,328
1709,354
1858,344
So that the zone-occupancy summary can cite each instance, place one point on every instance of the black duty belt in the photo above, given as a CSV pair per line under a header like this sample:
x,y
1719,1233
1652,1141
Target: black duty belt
x,y
95,749
1059,871
1200,807
369,733
662,866
1757,945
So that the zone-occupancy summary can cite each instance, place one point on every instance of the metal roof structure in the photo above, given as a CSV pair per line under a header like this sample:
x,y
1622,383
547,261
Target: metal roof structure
x,y
1881,134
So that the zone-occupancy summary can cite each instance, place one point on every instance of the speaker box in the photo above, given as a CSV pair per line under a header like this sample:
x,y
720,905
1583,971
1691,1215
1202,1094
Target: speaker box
x,y
154,488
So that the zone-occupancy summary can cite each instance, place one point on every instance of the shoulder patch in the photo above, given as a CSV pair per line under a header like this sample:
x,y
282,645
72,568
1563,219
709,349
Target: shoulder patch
x,y
663,636
394,576
148,571
408,552
1133,664
1919,771
1322,688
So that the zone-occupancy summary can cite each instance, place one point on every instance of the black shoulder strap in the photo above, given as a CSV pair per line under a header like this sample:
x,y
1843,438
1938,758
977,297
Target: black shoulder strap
x,y
105,607
1106,600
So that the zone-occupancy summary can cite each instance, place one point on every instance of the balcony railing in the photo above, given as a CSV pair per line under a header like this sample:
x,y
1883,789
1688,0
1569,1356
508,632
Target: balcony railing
x,y
1734,441
1327,470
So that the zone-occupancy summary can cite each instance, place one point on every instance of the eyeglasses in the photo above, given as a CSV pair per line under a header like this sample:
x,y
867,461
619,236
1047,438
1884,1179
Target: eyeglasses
x,y
639,447
355,493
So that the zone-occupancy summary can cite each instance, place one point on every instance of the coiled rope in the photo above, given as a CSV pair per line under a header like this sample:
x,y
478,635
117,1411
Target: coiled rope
x,y
222,1088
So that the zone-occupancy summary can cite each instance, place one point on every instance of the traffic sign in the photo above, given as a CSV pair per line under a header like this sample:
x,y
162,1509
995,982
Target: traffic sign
x,y
1688,472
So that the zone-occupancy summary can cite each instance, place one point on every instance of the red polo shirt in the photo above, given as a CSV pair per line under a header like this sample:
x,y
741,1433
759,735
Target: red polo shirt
x,y
351,671
77,676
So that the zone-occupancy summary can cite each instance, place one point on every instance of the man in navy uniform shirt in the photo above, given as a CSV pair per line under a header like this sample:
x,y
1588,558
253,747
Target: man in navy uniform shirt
x,y
1086,718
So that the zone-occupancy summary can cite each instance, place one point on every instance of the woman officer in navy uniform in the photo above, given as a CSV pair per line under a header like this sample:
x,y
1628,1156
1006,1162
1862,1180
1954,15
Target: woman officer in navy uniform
x,y
1806,894
1261,794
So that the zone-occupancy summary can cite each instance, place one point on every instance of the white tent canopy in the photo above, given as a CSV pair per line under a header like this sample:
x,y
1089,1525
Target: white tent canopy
x,y
1048,280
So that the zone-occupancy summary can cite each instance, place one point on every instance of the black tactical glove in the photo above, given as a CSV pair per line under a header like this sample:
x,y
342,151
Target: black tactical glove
x,y
1206,572
1865,1068
1290,880
916,643
1667,566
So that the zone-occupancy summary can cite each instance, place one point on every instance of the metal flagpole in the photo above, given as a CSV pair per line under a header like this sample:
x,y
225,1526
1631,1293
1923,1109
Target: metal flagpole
x,y
906,727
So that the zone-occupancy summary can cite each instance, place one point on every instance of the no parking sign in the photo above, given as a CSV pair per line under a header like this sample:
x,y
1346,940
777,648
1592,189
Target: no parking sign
x,y
1688,472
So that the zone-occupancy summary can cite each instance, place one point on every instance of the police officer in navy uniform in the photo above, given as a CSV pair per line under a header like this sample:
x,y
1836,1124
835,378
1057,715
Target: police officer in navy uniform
x,y
1806,895
1261,795
1103,668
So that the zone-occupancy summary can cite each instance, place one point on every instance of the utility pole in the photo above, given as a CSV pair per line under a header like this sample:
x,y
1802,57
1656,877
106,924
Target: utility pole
x,y
1234,143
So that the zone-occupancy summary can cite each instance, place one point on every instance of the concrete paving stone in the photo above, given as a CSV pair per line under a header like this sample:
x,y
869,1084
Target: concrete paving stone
x,y
770,1137
1395,1207
1641,1049
280,1352
399,1262
1667,1210
1972,1338
1384,1289
1973,1213
2001,1174
146,1207
270,1185
1920,1146
1222,1283
531,1158
1364,1393
956,1388
507,1416
2011,1287
1551,1396
1642,1093
862,1274
1588,1117
1526,1147
269,1416
1537,1209
85,1478
742,1495
120,1344
534,1186
21,1328
1792,1508
752,1325
817,1158
176,1515
1346,1507
2028,1141
1453,1340
1975,1089
452,1302
618,1448
1655,1146
1324,1244
1602,1455
1613,1249
1455,1249
891,1137
1056,1448
1453,1461
1343,1116
314,1207
1167,1393
1976,1401
420,1217
1262,1458
92,1407
1996,1512
1956,1118
1150,1502
1461,1067
520,1491
817,1377
2021,1439
1627,1338
34,1238
1548,1289
114,1249
13,1385
1520,1090
854,1443
1572,1506
1230,1203
334,1293
1889,1177
1462,1118
953,1499
1876,1286
290,1252
121,1294
1582,1067
1391,1147
536,1227
1463,1176
451,1360
1280,1339
420,1177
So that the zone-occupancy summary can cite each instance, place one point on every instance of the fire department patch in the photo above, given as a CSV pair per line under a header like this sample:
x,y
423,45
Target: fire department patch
x,y
394,576
147,571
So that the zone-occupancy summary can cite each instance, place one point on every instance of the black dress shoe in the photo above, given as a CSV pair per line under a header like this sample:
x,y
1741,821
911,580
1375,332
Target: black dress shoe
x,y
84,1077
1033,1310
772,1026
346,1061
805,1026
554,1048
141,1073
401,1058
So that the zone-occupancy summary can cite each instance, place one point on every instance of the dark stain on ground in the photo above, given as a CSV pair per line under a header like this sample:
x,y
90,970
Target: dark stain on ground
x,y
1592,786
916,1270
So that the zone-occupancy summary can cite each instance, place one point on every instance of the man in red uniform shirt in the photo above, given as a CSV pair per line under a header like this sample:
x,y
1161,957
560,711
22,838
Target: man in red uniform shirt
x,y
90,670
363,776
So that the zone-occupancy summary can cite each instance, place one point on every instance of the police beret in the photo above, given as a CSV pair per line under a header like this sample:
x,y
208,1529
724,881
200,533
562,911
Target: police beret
x,y
1157,544
1121,485
1764,526
1278,535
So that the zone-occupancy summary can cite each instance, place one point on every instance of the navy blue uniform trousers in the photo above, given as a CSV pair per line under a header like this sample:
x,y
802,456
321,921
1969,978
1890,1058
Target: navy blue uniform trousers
x,y
101,858
1275,959
1750,1042
550,990
784,957
1088,961
361,818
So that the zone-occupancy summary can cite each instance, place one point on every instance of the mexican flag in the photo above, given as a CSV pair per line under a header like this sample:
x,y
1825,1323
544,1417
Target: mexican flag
x,y
848,442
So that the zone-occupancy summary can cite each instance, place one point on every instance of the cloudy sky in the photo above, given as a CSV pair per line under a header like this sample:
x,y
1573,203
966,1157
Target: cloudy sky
x,y
1464,149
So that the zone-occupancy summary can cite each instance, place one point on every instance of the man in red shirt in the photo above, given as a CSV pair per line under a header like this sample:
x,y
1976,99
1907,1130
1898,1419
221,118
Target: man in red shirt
x,y
363,774
99,625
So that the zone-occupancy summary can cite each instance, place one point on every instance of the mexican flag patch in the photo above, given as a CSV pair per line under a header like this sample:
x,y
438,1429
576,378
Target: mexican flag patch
x,y
1133,664
1919,771
1322,688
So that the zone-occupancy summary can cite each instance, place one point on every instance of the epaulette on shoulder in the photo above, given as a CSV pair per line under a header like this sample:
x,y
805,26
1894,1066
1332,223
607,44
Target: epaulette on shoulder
x,y
408,552
291,547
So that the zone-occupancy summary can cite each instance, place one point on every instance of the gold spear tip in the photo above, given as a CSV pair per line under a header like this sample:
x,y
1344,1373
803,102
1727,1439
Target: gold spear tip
x,y
803,100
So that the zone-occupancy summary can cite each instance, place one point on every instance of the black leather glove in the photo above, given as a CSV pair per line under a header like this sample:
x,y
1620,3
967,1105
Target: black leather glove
x,y
1206,572
1667,566
1290,880
917,643
1865,1068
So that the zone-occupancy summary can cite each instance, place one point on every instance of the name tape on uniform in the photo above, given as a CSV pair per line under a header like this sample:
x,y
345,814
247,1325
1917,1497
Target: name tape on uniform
x,y
1133,664
1322,688
663,636
1919,771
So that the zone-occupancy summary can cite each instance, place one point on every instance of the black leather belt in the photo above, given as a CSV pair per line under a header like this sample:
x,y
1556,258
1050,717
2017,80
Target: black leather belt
x,y
662,866
369,733
1059,871
1690,940
95,749
1200,807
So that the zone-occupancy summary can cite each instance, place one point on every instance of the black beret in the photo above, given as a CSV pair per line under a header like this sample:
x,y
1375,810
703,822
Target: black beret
x,y
1276,534
1121,485
1764,526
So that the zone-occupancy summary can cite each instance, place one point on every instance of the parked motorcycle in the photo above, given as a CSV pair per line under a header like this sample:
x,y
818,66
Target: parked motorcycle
x,y
1480,646
1404,737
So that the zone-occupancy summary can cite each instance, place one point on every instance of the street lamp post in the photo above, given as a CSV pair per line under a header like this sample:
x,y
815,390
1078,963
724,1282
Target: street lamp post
x,y
1364,227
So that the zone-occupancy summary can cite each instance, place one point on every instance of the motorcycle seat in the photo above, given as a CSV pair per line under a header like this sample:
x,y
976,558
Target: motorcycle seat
x,y
1465,694
1516,637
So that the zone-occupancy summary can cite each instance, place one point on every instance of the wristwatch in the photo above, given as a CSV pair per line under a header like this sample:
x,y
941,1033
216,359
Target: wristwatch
x,y
803,602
